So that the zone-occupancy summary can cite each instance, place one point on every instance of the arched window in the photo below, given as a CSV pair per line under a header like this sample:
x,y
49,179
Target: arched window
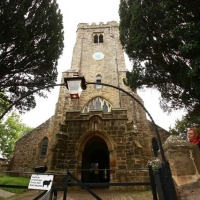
x,y
44,146
96,39
98,103
98,80
100,38
155,147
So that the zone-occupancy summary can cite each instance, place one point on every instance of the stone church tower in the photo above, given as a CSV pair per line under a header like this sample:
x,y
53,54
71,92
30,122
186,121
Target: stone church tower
x,y
105,128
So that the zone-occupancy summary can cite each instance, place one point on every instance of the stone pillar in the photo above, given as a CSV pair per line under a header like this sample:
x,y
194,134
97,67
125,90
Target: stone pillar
x,y
184,160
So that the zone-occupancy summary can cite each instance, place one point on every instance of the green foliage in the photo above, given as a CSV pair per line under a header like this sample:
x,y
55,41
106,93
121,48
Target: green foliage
x,y
8,180
31,42
162,38
155,163
182,125
10,131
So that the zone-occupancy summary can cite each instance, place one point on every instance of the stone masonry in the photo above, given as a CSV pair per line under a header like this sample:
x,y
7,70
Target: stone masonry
x,y
105,127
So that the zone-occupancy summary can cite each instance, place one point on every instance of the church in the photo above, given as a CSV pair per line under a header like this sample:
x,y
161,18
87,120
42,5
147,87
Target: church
x,y
103,129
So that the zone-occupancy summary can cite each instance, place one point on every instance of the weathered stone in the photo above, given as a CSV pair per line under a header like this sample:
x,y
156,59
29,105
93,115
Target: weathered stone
x,y
119,138
184,163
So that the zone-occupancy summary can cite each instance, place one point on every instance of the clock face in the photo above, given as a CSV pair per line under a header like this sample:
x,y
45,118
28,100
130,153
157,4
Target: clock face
x,y
98,56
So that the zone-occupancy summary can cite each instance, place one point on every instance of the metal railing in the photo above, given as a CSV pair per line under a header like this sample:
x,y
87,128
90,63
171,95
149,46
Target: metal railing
x,y
69,180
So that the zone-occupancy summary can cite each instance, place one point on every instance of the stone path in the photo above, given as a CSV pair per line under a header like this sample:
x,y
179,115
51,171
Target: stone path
x,y
5,194
84,195
104,194
109,195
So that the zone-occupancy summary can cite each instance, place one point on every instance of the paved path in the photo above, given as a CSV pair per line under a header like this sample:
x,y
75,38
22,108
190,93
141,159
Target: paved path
x,y
5,194
103,194
84,195
108,195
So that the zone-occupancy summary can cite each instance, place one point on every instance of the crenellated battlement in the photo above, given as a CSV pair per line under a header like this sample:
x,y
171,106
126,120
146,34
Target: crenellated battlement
x,y
100,24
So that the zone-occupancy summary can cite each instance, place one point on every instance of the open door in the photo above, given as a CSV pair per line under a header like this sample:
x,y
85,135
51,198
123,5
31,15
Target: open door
x,y
95,161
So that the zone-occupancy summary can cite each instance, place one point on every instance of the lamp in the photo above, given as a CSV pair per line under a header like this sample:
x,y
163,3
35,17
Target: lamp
x,y
75,85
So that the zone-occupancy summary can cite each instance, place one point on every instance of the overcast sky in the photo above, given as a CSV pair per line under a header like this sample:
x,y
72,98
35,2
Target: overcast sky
x,y
89,11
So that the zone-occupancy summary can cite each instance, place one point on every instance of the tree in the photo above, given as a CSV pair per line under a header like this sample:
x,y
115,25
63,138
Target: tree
x,y
183,124
10,131
31,42
162,39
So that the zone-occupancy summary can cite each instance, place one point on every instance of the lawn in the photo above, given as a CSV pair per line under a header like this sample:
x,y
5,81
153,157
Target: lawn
x,y
8,180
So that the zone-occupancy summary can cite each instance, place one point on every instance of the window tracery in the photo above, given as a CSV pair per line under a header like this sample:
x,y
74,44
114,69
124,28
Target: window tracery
x,y
98,103
98,80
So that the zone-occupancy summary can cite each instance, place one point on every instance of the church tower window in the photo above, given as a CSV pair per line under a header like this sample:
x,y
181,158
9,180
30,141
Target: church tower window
x,y
98,80
98,38
95,38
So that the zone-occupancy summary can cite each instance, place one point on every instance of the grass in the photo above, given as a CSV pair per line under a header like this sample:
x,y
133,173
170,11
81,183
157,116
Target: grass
x,y
8,180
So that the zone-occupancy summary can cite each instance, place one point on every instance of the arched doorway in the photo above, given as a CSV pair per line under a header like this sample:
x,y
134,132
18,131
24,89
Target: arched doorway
x,y
96,159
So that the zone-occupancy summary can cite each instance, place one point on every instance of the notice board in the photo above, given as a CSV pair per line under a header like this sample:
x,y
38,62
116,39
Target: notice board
x,y
40,182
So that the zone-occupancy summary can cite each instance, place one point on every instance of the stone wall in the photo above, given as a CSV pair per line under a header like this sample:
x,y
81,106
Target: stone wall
x,y
185,166
27,152
128,148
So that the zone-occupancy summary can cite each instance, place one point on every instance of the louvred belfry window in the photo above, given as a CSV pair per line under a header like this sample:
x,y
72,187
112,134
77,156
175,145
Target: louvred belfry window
x,y
98,38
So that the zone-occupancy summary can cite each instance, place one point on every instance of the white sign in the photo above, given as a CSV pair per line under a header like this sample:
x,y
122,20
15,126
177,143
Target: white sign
x,y
40,182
